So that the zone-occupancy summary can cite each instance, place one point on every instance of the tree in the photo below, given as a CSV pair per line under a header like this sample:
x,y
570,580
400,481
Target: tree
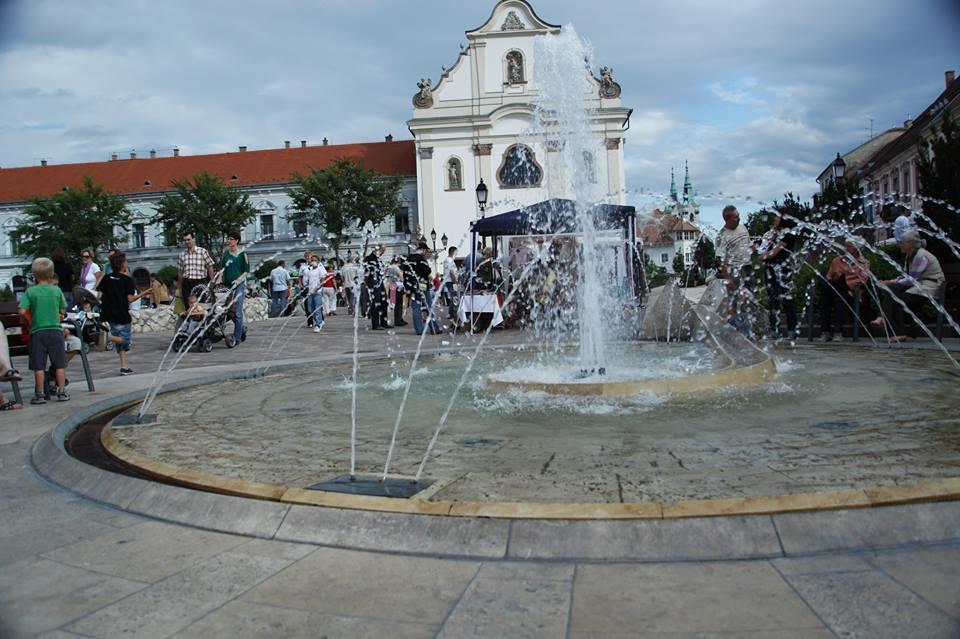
x,y
73,220
341,195
841,201
939,171
705,254
205,206
679,266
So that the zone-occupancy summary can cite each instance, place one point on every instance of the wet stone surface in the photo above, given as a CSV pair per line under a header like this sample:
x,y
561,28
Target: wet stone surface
x,y
829,421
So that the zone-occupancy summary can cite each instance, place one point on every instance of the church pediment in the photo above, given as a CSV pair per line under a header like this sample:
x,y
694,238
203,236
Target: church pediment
x,y
511,18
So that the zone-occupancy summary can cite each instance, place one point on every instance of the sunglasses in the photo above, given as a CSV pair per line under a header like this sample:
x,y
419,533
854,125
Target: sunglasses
x,y
86,257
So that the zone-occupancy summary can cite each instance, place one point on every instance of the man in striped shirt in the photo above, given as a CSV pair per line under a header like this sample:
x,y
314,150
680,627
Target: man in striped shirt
x,y
195,266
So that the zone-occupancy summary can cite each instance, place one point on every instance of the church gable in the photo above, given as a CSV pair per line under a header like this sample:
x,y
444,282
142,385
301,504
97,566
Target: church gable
x,y
512,18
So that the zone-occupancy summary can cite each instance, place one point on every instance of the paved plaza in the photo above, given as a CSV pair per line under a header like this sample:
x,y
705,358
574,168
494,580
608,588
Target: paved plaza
x,y
73,567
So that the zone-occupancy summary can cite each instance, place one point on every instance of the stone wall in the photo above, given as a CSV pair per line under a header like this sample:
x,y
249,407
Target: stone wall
x,y
162,318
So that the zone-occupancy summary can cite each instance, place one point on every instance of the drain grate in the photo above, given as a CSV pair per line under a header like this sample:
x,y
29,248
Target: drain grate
x,y
373,486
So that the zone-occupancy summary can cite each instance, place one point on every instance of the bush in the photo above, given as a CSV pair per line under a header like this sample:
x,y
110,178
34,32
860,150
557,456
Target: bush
x,y
7,295
167,275
264,269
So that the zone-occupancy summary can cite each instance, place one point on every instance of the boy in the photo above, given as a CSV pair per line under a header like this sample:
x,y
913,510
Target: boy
x,y
45,305
194,316
117,292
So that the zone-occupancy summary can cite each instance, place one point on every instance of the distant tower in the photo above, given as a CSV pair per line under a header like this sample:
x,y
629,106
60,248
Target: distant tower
x,y
673,186
690,209
686,181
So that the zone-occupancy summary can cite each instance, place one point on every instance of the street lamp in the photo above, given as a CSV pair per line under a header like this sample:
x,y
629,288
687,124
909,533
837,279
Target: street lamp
x,y
444,240
482,196
839,168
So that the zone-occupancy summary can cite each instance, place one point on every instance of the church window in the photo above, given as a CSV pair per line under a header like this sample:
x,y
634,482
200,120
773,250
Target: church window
x,y
516,74
589,167
519,168
454,175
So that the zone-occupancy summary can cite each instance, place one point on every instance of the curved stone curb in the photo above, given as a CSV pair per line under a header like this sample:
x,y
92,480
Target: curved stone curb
x,y
694,533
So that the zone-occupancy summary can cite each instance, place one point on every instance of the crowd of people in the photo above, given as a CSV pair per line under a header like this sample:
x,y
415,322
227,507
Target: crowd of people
x,y
841,289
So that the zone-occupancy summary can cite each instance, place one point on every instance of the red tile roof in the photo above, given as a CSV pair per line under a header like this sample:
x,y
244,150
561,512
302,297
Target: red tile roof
x,y
251,168
656,228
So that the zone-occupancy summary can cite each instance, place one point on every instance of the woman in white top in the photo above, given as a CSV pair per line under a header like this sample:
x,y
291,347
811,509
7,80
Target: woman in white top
x,y
90,272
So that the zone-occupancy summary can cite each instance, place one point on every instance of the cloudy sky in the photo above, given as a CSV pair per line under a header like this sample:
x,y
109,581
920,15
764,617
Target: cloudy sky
x,y
758,95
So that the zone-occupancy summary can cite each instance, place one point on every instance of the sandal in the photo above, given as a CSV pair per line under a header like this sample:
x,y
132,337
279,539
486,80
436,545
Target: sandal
x,y
11,375
11,405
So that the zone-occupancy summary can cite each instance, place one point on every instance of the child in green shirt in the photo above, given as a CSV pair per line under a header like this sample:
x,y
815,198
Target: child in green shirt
x,y
44,304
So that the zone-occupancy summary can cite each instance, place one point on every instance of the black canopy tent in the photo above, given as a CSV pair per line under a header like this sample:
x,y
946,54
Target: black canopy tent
x,y
559,217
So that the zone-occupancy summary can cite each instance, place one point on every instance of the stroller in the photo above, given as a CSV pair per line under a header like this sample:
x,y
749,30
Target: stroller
x,y
215,328
89,325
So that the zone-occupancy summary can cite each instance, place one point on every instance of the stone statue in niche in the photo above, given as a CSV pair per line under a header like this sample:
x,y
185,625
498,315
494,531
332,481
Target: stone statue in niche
x,y
424,99
515,68
608,88
512,23
453,175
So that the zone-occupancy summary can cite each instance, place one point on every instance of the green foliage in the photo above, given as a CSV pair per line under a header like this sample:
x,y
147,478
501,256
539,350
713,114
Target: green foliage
x,y
7,295
705,254
841,201
678,264
659,277
939,171
205,206
167,275
264,269
73,220
341,195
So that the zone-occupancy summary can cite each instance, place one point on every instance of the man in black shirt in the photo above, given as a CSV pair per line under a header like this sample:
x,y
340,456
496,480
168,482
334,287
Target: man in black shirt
x,y
117,292
373,278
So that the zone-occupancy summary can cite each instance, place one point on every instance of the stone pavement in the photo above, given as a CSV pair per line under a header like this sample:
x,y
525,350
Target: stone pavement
x,y
70,567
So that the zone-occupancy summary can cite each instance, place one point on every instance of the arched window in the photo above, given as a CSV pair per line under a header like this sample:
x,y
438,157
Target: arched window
x,y
519,168
515,72
454,175
589,167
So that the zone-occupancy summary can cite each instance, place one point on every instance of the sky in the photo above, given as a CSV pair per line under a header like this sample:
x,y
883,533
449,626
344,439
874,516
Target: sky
x,y
757,95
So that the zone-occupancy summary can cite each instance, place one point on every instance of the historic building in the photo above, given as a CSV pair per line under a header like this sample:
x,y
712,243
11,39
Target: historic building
x,y
674,229
469,126
263,175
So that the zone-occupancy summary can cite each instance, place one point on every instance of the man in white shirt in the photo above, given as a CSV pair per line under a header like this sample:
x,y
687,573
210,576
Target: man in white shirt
x,y
312,279
451,280
735,251
349,273
279,288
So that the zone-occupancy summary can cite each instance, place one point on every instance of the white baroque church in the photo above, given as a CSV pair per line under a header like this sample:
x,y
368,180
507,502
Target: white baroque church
x,y
469,126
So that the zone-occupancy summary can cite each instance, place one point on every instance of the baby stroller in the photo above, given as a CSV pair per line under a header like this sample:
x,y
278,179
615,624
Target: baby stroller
x,y
216,328
87,307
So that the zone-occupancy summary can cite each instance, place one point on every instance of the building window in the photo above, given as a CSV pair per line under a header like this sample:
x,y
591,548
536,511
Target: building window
x,y
300,228
519,168
906,181
896,186
170,234
139,236
664,258
266,227
589,167
401,220
515,71
454,175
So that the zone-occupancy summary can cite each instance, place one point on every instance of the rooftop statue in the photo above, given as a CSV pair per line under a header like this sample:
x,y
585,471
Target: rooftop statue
x,y
608,88
424,99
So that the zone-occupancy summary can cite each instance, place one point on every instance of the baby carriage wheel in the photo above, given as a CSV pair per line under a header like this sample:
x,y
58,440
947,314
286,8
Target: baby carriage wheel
x,y
206,345
229,342
178,342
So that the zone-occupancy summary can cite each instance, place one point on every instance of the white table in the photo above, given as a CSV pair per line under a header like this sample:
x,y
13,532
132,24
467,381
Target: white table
x,y
480,304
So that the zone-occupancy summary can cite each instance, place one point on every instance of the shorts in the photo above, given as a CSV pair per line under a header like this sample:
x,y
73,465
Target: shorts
x,y
123,332
72,344
47,343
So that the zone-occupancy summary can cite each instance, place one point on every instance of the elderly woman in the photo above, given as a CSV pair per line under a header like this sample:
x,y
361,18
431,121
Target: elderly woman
x,y
920,281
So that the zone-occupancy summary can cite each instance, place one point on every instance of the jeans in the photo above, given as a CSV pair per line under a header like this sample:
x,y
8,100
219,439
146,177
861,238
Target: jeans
x,y
348,294
835,298
238,315
315,308
277,299
416,310
780,294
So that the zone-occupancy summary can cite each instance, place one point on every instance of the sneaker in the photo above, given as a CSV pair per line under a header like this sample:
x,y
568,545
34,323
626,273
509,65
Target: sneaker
x,y
126,371
316,329
62,395
37,400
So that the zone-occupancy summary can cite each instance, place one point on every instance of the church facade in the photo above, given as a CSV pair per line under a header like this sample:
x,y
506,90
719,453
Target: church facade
x,y
469,126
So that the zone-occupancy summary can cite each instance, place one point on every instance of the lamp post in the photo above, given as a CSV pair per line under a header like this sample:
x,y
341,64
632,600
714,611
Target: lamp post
x,y
839,168
433,238
482,197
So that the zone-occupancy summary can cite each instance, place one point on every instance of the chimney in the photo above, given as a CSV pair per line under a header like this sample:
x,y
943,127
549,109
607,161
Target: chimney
x,y
243,149
389,137
303,144
43,162
948,75
286,144
176,152
153,154
113,157
326,141
133,155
